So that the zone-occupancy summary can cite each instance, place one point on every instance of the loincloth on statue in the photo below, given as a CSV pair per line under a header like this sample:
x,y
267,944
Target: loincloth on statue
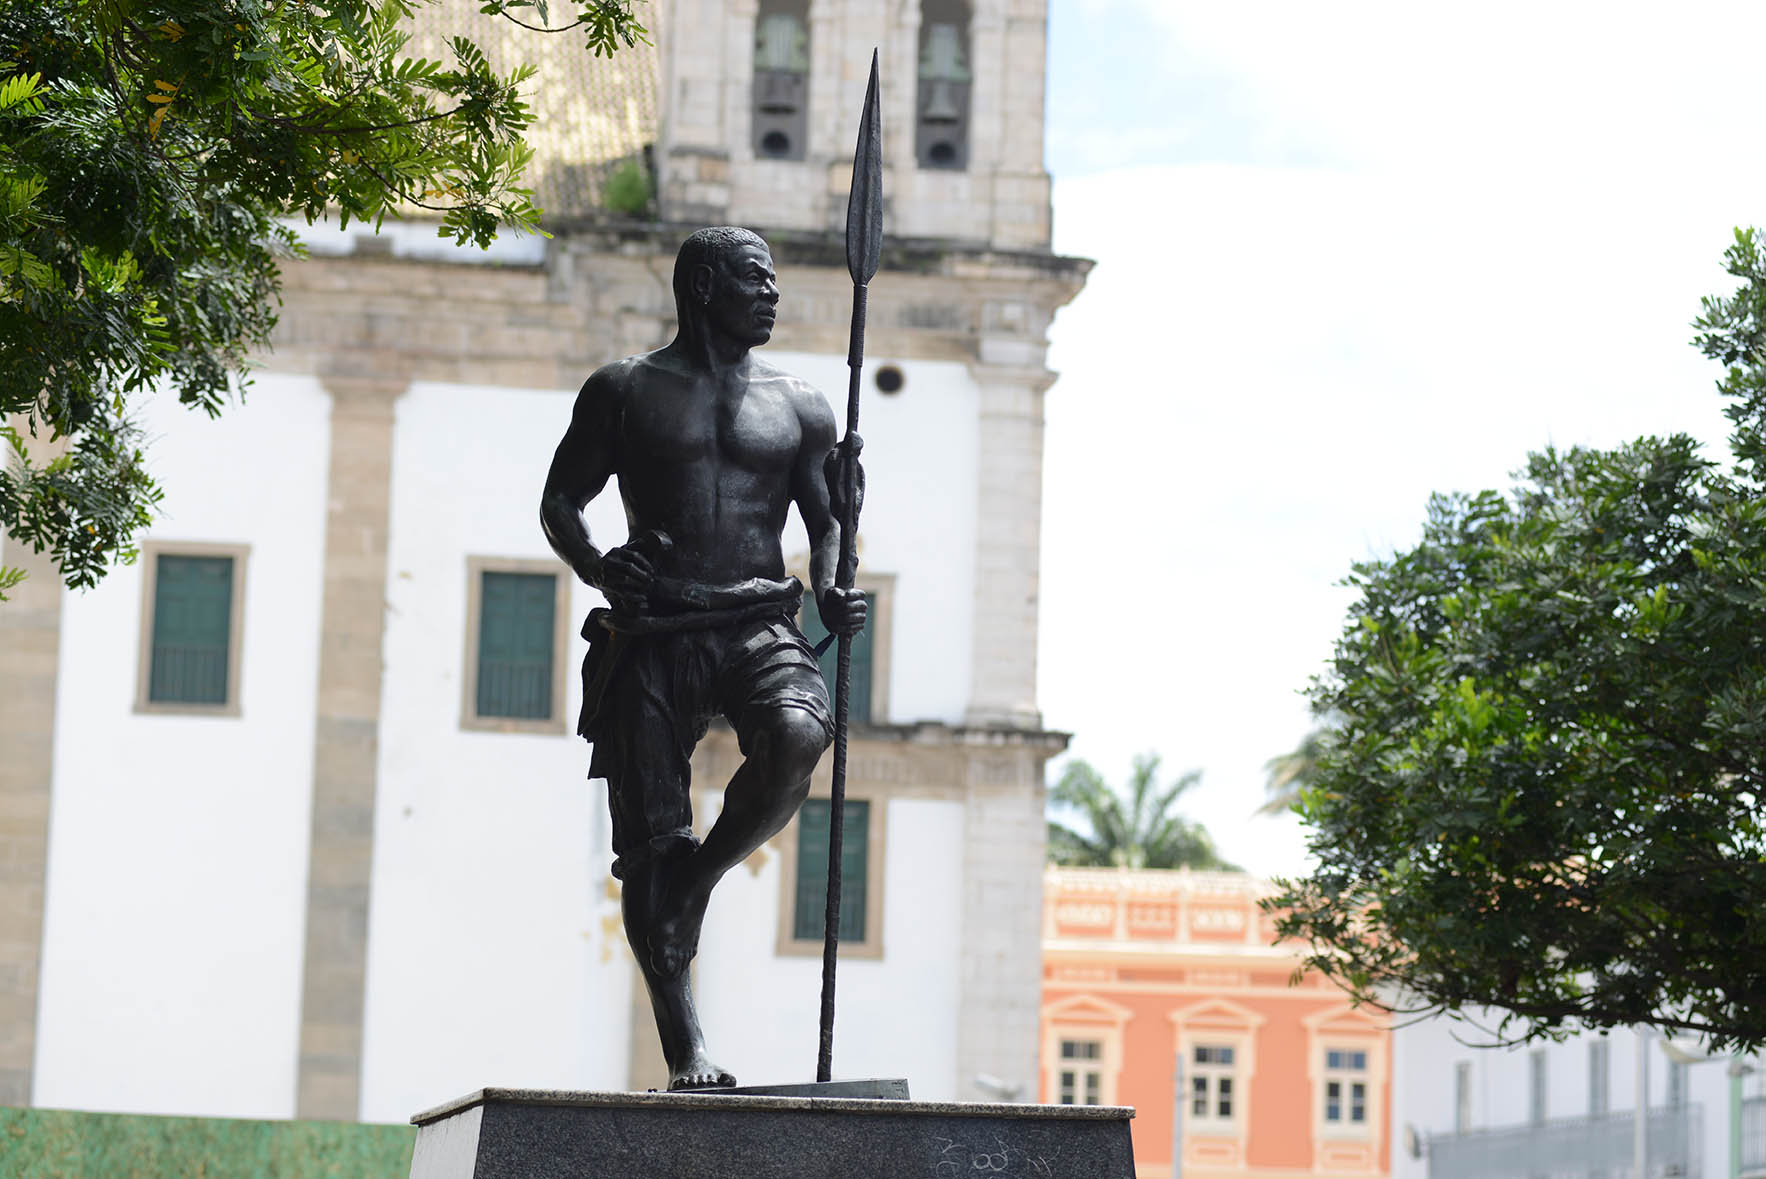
x,y
654,679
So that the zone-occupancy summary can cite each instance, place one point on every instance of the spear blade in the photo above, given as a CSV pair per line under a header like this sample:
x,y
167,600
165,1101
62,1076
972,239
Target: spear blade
x,y
864,209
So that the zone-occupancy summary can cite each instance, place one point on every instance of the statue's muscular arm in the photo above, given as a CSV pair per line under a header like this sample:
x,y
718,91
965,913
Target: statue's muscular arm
x,y
842,611
581,466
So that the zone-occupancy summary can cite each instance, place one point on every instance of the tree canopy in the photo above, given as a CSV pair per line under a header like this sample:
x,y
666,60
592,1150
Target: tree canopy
x,y
149,152
1544,792
1138,828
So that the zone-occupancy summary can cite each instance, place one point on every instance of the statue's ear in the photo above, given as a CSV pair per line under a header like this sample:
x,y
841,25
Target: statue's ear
x,y
702,279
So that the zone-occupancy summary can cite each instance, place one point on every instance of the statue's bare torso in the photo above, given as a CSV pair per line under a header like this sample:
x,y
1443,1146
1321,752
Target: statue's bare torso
x,y
712,462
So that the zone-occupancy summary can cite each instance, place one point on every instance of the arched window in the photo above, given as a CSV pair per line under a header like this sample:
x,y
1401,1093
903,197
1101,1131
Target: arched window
x,y
781,79
941,109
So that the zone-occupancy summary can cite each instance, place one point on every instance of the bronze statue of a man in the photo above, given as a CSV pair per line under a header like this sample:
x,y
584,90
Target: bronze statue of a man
x,y
712,446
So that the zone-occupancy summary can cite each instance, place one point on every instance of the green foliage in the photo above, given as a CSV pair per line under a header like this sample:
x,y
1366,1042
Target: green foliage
x,y
1138,830
149,150
1545,793
628,190
607,24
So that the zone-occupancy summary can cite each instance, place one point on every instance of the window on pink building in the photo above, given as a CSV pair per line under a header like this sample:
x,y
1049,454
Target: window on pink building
x,y
1213,1091
1082,1072
1345,1087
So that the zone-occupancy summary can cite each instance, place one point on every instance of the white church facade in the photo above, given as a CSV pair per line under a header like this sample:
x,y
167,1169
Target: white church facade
x,y
293,819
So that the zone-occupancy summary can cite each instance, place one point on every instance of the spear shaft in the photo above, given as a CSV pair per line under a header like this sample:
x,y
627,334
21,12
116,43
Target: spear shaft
x,y
864,247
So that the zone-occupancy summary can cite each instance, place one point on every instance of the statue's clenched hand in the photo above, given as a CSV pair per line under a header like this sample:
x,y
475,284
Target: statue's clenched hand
x,y
845,453
626,573
843,610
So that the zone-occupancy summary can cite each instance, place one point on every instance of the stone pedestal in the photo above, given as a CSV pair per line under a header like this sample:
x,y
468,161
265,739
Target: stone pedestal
x,y
541,1134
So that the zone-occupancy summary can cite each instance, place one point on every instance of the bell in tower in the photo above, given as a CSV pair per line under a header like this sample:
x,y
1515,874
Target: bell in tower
x,y
781,79
941,125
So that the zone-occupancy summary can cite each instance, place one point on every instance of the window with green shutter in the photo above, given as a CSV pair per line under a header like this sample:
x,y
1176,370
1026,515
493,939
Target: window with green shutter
x,y
858,708
192,630
810,912
517,617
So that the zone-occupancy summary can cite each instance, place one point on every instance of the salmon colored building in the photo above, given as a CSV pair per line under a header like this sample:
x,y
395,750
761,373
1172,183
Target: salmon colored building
x,y
1159,983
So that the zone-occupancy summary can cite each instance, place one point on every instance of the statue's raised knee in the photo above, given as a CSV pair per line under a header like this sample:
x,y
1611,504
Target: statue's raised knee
x,y
793,742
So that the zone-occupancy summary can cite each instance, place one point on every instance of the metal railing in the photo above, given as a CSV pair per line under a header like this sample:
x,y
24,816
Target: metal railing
x,y
1575,1148
188,675
1753,1136
515,688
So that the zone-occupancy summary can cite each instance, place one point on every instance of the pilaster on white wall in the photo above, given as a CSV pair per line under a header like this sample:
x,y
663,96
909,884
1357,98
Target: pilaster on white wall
x,y
900,67
694,136
1024,37
1004,838
495,954
1008,549
176,888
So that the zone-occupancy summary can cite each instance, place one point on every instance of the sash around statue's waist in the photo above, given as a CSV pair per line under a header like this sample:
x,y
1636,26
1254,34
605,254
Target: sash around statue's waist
x,y
674,604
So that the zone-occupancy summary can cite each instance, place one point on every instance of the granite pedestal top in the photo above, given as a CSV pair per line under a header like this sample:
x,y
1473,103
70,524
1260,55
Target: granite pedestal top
x,y
552,1134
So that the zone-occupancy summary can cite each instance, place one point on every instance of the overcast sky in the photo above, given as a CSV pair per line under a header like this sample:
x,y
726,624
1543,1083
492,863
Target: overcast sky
x,y
1348,254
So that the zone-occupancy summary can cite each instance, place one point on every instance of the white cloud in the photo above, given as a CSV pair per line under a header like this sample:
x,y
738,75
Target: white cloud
x,y
1559,85
1272,367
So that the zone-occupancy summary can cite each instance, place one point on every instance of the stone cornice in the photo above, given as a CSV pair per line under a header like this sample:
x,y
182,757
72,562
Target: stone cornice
x,y
603,293
1043,742
797,247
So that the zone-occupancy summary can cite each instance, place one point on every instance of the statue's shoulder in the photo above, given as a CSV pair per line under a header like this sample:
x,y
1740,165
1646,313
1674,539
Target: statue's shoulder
x,y
814,415
614,382
614,378
798,391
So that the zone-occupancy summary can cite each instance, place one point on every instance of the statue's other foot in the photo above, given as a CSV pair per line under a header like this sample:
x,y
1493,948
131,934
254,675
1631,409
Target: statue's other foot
x,y
674,938
700,1073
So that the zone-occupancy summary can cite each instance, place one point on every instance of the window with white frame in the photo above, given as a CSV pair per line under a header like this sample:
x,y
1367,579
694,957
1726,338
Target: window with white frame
x,y
803,876
1345,1088
517,638
191,612
1462,1096
1082,1072
1214,1095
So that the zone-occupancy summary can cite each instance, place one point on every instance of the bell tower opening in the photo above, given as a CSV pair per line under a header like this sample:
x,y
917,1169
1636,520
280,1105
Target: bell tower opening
x,y
781,79
941,106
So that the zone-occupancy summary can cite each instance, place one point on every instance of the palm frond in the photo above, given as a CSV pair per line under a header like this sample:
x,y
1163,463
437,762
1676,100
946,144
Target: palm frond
x,y
1136,827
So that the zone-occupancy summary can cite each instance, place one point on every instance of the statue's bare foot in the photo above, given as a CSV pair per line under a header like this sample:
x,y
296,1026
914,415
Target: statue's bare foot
x,y
700,1073
674,937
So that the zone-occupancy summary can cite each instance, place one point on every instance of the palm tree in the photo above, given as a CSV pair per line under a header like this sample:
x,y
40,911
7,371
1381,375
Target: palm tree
x,y
1291,772
1132,830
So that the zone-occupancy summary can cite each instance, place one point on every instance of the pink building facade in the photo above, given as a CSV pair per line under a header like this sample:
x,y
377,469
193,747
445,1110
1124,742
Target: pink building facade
x,y
1158,984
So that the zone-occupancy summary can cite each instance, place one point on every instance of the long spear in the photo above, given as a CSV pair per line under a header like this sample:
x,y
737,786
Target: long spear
x,y
864,247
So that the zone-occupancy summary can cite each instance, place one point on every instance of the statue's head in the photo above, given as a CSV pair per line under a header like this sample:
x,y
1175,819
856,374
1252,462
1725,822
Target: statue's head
x,y
724,281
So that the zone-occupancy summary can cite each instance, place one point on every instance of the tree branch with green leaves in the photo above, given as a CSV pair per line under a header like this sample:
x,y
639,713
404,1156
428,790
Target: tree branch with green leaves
x,y
151,153
1543,791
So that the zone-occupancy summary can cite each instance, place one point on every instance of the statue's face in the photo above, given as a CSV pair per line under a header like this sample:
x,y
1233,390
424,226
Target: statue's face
x,y
744,295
